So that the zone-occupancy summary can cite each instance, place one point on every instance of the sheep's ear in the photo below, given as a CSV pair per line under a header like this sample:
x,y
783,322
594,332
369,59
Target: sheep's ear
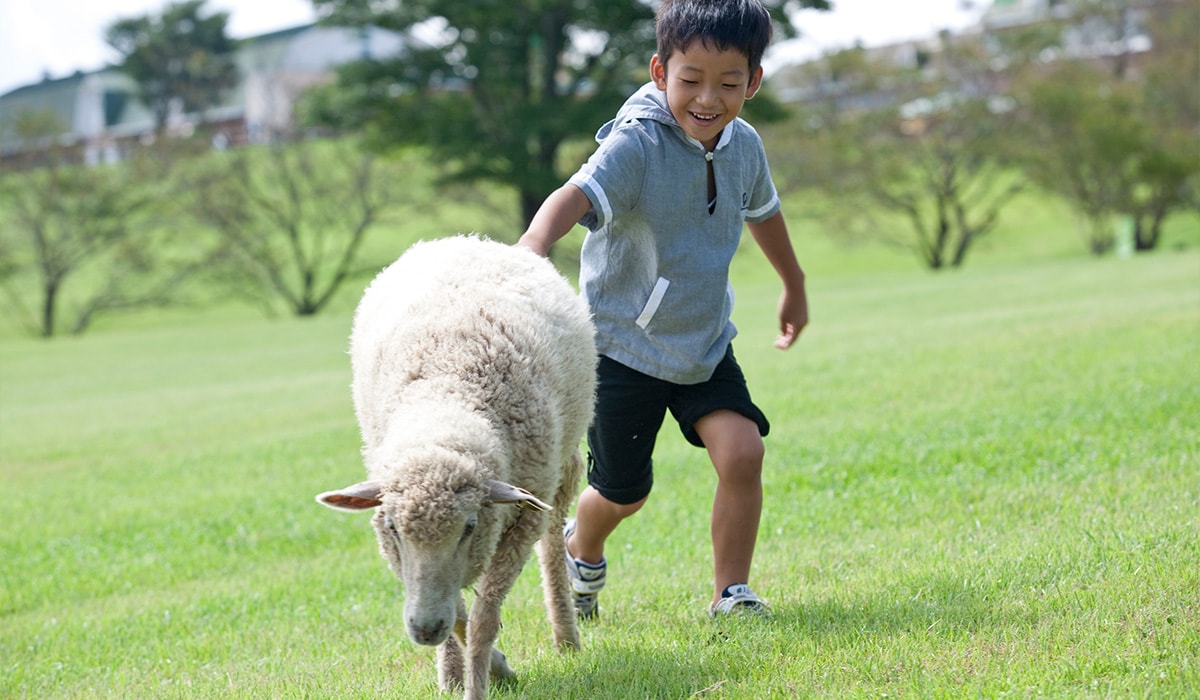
x,y
501,492
354,498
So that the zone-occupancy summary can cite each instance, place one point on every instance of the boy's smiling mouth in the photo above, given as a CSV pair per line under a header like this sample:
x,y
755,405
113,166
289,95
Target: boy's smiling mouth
x,y
704,117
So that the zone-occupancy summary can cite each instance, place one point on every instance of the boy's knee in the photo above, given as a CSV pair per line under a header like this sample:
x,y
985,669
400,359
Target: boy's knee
x,y
739,460
745,460
754,453
731,436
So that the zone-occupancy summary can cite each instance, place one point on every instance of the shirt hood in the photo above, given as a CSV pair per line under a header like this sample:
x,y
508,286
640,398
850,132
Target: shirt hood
x,y
651,103
647,103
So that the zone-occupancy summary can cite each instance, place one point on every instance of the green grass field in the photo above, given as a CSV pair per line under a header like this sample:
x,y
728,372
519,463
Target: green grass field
x,y
984,483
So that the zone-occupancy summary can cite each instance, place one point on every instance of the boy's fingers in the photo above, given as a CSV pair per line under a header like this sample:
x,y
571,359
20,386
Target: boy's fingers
x,y
785,341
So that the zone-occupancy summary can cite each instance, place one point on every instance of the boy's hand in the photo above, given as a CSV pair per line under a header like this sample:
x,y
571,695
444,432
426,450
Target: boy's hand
x,y
772,237
554,219
793,317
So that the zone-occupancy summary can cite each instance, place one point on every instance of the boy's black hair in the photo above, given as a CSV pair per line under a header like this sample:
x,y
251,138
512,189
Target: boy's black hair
x,y
739,25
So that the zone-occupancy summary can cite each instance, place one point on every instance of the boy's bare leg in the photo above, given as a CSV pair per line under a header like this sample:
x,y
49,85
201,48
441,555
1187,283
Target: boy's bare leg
x,y
736,450
595,519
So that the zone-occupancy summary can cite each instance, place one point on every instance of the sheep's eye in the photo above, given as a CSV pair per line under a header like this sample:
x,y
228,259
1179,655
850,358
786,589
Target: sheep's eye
x,y
390,524
469,528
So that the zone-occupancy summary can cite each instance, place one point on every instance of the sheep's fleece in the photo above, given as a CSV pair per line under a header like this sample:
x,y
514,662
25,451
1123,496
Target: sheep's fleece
x,y
473,379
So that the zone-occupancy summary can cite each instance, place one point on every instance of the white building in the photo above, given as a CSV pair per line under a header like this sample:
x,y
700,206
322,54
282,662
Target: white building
x,y
99,114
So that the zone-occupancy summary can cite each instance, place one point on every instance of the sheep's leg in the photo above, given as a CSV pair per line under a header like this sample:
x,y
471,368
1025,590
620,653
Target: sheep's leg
x,y
495,583
556,589
450,664
450,652
499,669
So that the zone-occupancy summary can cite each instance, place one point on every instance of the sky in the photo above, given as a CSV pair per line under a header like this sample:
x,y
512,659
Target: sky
x,y
58,37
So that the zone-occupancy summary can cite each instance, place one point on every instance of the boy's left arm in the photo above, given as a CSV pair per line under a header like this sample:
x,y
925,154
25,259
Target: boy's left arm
x,y
772,237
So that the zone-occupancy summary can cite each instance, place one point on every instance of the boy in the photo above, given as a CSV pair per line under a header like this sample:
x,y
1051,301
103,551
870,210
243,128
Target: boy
x,y
664,198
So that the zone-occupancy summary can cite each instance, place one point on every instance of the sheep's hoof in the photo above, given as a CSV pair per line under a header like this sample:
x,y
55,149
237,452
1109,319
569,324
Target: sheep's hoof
x,y
500,669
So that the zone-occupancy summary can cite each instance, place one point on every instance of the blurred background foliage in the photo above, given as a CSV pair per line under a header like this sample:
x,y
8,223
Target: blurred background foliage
x,y
927,148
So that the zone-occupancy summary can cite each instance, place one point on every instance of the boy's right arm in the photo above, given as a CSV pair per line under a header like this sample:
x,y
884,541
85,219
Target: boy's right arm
x,y
557,215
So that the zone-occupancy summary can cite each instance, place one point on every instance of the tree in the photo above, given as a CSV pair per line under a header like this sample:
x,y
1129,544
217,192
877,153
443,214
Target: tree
x,y
292,216
947,189
926,170
84,240
500,85
1111,129
1083,144
1170,102
176,57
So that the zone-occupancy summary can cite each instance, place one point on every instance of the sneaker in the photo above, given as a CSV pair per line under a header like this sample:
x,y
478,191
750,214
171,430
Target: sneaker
x,y
738,599
586,579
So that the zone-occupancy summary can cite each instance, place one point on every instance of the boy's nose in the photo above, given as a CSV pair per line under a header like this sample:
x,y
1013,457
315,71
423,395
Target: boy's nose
x,y
707,96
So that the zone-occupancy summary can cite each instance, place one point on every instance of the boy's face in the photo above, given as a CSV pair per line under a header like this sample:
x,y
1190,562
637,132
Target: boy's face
x,y
705,88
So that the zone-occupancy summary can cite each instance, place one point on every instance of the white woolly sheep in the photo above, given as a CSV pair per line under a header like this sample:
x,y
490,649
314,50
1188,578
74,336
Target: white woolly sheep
x,y
473,380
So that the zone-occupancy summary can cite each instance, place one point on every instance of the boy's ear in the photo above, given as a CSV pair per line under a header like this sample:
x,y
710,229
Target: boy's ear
x,y
755,83
658,72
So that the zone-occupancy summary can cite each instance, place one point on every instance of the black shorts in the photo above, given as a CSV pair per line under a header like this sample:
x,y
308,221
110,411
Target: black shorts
x,y
630,409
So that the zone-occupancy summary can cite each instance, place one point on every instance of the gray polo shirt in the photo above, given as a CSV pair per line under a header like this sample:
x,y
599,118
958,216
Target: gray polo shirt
x,y
655,263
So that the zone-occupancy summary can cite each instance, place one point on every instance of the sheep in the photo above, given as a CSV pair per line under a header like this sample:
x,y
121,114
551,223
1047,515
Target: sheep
x,y
473,368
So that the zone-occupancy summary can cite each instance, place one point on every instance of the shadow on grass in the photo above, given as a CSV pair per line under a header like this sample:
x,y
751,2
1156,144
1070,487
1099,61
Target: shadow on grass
x,y
679,658
932,605
621,668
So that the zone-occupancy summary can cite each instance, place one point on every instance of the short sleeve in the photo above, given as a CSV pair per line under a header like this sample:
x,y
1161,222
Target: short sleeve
x,y
613,177
764,198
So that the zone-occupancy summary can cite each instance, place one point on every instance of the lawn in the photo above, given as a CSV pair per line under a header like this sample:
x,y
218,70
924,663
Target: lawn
x,y
983,483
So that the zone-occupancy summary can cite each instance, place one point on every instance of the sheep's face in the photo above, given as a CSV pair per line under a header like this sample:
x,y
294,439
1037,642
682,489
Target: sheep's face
x,y
435,538
430,542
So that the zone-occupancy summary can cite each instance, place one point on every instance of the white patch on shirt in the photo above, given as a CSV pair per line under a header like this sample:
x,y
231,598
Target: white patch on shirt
x,y
588,183
652,304
763,209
